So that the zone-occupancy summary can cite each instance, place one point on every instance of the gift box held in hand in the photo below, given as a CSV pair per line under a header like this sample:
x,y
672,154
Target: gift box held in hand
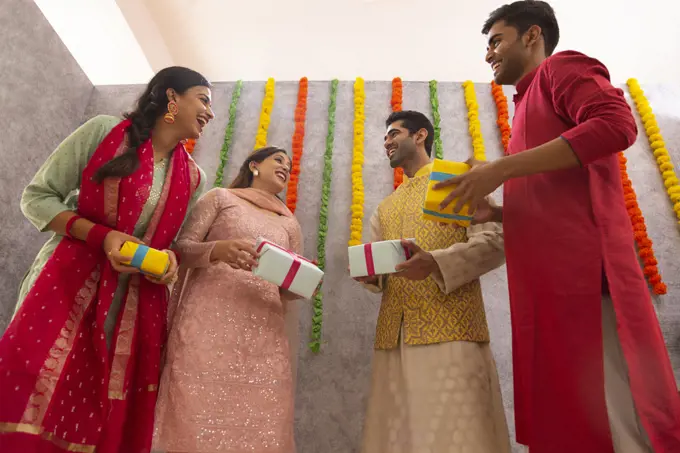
x,y
377,258
286,269
149,261
441,171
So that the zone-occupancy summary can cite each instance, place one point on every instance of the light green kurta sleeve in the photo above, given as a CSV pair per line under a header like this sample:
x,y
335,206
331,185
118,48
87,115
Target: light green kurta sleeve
x,y
46,195
198,194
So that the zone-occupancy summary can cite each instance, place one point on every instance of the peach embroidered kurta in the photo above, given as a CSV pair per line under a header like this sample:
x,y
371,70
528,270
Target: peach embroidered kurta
x,y
227,385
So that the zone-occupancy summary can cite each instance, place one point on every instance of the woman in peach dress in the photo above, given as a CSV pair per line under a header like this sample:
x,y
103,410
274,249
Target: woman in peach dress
x,y
227,385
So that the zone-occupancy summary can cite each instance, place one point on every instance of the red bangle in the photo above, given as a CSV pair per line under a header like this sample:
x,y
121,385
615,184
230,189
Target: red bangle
x,y
69,225
96,236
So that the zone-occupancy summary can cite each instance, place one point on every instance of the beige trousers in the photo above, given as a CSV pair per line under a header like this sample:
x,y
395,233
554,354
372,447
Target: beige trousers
x,y
439,398
628,435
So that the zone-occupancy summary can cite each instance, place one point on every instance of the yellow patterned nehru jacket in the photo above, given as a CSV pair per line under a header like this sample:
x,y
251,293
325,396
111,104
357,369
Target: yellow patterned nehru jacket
x,y
429,315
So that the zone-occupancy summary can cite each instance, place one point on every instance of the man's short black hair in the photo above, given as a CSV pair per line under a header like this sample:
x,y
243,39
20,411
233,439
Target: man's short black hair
x,y
525,13
414,121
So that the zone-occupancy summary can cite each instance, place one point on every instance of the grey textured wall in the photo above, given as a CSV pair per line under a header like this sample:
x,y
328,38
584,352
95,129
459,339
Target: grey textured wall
x,y
332,386
43,95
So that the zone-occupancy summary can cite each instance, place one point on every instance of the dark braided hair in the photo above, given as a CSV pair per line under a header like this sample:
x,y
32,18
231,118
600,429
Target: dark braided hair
x,y
152,104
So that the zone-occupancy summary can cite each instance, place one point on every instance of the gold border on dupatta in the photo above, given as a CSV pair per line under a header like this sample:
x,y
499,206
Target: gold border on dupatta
x,y
111,186
194,176
25,428
51,371
160,206
123,350
121,356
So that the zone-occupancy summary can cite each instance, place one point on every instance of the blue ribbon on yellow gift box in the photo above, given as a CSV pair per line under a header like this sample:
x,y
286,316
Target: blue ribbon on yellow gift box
x,y
441,171
148,260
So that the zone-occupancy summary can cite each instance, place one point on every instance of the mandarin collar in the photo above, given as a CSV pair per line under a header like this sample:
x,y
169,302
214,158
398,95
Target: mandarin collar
x,y
524,83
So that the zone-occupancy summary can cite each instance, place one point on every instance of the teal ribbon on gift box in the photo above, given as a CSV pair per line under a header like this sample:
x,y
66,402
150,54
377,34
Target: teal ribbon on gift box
x,y
439,176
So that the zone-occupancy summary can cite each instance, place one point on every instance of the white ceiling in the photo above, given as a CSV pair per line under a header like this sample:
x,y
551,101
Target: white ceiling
x,y
124,41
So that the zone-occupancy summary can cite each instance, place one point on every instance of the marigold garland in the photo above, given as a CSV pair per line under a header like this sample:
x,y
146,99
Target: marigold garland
x,y
356,227
228,134
189,145
265,114
317,313
644,244
663,159
434,102
502,114
475,127
397,98
298,142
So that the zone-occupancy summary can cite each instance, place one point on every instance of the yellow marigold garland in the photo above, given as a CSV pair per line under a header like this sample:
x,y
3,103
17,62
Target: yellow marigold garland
x,y
663,159
265,114
356,227
475,127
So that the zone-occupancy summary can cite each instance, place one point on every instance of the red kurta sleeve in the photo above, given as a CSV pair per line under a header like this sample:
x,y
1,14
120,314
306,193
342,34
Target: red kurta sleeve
x,y
582,93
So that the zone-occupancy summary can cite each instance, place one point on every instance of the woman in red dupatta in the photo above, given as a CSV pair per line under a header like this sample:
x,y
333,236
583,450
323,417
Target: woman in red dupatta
x,y
63,387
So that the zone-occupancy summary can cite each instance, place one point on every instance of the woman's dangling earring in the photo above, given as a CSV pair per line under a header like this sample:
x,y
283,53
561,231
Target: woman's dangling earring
x,y
256,172
172,111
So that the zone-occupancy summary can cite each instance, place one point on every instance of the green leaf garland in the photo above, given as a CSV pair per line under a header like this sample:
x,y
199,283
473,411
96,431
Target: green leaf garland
x,y
228,134
317,315
434,101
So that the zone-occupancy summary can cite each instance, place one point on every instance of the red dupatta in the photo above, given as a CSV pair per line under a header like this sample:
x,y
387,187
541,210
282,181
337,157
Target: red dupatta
x,y
61,389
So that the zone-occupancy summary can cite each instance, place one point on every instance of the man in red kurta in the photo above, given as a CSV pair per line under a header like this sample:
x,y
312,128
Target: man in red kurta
x,y
591,370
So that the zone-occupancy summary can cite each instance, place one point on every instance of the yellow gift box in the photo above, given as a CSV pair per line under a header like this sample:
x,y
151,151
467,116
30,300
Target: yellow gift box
x,y
149,261
441,171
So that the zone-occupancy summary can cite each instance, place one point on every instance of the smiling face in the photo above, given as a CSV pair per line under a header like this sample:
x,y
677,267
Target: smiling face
x,y
194,110
272,173
399,144
508,53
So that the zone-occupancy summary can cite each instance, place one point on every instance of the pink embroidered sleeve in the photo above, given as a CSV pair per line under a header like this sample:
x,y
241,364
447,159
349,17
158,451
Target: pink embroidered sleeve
x,y
295,244
582,93
295,239
193,248
288,300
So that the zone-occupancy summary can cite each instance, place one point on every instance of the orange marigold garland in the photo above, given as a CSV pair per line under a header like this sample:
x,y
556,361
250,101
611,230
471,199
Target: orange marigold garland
x,y
298,141
503,116
644,244
397,97
189,145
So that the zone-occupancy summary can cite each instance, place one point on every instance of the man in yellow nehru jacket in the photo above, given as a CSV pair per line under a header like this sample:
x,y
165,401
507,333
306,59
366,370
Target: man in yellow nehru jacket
x,y
434,380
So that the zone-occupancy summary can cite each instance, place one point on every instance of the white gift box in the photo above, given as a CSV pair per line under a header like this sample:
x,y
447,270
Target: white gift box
x,y
286,269
377,258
